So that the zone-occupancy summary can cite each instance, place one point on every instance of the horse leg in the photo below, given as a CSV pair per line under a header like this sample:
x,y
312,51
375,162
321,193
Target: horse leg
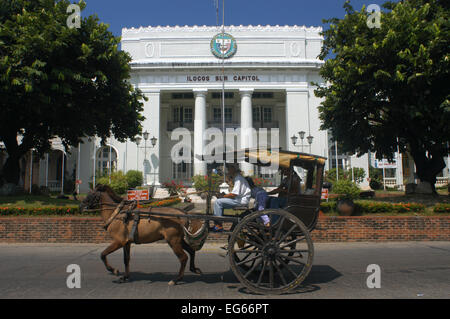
x,y
110,249
182,257
191,253
126,261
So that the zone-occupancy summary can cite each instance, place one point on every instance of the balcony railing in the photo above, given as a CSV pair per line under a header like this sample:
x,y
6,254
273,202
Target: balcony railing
x,y
173,125
190,126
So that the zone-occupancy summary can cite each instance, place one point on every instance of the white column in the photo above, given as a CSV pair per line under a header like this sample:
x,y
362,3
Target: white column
x,y
296,117
247,138
199,129
152,125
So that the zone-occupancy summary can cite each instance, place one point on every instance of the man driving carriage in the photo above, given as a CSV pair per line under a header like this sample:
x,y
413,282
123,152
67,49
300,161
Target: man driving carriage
x,y
239,196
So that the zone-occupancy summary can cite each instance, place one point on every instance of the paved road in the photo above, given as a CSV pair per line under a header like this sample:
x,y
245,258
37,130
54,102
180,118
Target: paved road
x,y
408,270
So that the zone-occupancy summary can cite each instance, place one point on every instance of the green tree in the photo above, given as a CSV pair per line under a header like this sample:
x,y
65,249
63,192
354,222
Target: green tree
x,y
60,81
390,83
134,178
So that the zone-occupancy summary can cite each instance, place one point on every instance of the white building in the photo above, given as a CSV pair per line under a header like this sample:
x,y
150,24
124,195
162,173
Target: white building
x,y
269,72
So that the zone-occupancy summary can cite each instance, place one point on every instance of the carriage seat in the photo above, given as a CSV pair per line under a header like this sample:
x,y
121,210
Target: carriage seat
x,y
241,207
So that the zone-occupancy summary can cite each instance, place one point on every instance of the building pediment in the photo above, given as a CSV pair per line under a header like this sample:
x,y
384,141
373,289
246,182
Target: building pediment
x,y
256,45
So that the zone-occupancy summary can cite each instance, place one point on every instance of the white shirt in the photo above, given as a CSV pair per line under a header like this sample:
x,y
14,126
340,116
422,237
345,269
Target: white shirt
x,y
242,190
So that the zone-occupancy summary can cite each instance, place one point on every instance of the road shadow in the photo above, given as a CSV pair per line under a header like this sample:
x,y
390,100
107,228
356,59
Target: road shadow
x,y
319,274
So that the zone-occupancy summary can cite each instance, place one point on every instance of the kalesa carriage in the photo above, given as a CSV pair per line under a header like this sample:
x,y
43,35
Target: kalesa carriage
x,y
269,259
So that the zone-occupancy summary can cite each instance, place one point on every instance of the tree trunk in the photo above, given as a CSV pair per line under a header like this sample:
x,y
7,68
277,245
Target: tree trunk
x,y
428,167
11,169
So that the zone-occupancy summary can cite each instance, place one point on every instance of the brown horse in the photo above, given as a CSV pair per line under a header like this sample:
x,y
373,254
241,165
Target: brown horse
x,y
149,231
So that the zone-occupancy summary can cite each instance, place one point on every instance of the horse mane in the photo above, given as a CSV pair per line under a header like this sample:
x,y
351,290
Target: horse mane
x,y
106,188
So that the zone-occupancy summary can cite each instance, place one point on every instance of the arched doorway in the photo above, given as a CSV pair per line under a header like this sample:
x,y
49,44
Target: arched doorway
x,y
106,160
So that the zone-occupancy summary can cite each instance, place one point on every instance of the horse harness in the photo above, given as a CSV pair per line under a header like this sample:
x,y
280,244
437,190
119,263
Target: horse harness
x,y
126,216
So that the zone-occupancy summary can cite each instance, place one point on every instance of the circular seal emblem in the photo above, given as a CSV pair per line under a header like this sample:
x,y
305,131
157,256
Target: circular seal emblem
x,y
223,45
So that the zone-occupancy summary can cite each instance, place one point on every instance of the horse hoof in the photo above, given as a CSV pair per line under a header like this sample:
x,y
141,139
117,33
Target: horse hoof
x,y
197,271
172,283
124,279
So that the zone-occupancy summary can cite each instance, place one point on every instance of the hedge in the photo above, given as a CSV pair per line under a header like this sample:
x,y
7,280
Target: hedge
x,y
441,208
68,210
367,207
42,211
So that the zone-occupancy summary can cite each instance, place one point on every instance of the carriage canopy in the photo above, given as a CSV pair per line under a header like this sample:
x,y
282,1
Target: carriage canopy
x,y
267,157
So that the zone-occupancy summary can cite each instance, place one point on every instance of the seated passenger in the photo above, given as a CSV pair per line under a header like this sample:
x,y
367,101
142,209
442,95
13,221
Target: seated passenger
x,y
261,198
239,196
283,189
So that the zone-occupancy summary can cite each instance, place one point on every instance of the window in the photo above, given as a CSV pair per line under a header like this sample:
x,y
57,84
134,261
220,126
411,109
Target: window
x,y
183,96
217,115
182,171
182,114
262,114
218,95
187,115
267,118
176,114
104,161
262,95
256,114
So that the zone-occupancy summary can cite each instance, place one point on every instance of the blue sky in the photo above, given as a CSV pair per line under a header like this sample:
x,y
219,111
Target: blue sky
x,y
136,13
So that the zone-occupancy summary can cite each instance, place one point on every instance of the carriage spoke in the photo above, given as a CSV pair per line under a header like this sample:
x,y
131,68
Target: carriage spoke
x,y
280,274
292,242
262,272
292,259
287,267
251,242
271,279
255,235
260,228
256,251
280,226
248,260
253,268
294,251
288,233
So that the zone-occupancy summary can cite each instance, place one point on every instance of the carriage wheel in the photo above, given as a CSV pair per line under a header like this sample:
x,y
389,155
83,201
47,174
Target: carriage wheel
x,y
271,259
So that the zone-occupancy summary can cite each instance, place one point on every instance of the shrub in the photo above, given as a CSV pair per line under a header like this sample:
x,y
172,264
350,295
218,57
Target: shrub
x,y
261,182
375,184
346,189
441,208
164,202
118,183
201,182
328,207
134,178
367,207
174,187
35,190
358,175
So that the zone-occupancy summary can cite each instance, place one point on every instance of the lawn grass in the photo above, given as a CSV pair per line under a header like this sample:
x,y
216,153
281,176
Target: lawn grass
x,y
35,201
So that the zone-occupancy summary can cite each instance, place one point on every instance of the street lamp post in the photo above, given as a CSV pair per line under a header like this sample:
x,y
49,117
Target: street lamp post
x,y
138,141
309,138
146,135
153,141
302,136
